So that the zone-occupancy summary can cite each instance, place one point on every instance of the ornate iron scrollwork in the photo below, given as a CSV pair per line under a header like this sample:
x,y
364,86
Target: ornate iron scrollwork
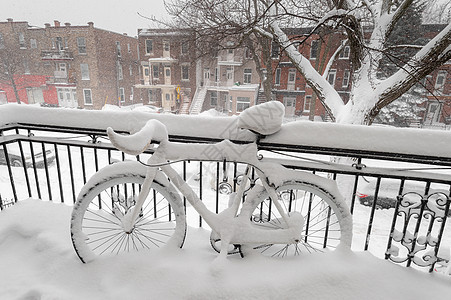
x,y
417,227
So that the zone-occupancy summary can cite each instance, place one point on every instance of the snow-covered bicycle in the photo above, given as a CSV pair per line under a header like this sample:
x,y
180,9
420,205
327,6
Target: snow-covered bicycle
x,y
129,206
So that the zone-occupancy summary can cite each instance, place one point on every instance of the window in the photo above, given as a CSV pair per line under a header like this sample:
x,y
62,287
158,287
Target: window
x,y
331,77
216,74
185,47
84,71
33,44
129,49
2,42
146,71
62,67
274,50
229,73
58,43
168,72
166,46
130,70
120,73
292,75
346,75
118,49
149,46
156,72
291,79
307,103
242,103
87,96
314,49
22,40
121,95
213,98
344,53
151,96
81,44
185,72
247,53
247,76
35,95
277,77
440,81
132,92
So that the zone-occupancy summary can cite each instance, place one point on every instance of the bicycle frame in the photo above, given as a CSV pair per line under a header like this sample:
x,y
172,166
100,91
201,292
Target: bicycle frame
x,y
232,225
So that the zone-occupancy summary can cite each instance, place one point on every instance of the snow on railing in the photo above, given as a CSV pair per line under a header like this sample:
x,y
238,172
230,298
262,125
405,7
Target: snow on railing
x,y
352,138
386,174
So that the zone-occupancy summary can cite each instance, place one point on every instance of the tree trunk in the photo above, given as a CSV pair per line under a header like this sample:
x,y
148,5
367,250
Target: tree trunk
x,y
16,93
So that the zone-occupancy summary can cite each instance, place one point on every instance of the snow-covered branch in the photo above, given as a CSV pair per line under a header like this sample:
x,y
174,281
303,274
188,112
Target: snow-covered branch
x,y
325,92
332,59
431,56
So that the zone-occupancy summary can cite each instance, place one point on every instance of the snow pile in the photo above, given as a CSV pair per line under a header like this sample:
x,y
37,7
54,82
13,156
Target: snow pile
x,y
38,262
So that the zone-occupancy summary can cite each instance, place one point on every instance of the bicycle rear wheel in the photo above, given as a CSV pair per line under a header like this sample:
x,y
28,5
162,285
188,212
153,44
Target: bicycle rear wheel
x,y
327,222
96,227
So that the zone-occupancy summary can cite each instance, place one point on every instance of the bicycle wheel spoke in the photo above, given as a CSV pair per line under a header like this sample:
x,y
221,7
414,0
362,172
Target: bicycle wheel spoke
x,y
322,229
97,227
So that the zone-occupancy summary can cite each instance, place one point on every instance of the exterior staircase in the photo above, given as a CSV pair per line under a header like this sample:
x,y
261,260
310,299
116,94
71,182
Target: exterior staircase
x,y
184,108
198,101
261,98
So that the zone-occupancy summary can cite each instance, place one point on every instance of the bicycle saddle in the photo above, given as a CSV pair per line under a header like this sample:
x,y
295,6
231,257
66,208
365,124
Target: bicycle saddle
x,y
264,119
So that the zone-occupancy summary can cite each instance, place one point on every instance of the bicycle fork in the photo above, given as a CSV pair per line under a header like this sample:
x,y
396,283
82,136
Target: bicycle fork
x,y
129,219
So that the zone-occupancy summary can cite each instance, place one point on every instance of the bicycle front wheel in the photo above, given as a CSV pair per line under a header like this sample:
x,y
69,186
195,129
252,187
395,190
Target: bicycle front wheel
x,y
327,222
96,225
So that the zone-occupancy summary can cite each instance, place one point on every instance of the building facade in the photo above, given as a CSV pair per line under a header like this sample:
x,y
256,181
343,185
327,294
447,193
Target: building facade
x,y
69,66
174,78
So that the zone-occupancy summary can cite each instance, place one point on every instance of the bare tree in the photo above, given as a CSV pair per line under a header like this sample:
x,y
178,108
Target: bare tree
x,y
369,94
367,25
221,25
11,63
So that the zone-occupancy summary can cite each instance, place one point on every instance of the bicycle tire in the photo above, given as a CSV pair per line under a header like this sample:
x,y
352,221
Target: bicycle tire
x,y
96,227
327,221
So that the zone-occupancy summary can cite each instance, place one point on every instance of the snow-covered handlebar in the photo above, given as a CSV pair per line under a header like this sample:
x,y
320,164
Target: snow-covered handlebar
x,y
137,143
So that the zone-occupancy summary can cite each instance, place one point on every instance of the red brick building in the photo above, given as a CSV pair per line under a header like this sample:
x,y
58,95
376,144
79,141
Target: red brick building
x,y
69,66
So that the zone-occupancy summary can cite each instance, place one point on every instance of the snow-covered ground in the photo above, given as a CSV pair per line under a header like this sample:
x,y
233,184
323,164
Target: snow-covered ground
x,y
36,252
38,262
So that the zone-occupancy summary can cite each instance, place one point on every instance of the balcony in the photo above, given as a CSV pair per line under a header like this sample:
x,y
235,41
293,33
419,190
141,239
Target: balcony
x,y
391,178
56,55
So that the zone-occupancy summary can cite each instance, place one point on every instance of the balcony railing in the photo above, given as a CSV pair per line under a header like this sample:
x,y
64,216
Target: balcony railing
x,y
397,183
56,55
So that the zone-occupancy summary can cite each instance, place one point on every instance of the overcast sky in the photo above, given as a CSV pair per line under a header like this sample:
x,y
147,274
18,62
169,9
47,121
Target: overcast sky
x,y
115,15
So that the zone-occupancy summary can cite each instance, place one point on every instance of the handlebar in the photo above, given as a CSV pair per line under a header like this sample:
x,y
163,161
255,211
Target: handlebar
x,y
137,143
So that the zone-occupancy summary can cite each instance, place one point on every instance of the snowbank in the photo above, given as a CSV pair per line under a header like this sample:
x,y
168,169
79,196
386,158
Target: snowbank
x,y
38,262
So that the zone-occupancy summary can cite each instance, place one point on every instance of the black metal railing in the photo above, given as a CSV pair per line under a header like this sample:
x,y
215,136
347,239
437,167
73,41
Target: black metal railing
x,y
400,202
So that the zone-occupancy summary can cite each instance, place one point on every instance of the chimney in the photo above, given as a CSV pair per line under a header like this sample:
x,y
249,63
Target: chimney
x,y
124,34
47,25
67,24
57,23
91,24
10,20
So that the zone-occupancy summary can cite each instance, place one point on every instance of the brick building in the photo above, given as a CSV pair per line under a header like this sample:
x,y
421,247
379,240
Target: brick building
x,y
173,78
290,88
168,68
70,66
438,104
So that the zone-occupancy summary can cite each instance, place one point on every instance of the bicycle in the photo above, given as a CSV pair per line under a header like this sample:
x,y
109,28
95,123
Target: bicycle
x,y
130,206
